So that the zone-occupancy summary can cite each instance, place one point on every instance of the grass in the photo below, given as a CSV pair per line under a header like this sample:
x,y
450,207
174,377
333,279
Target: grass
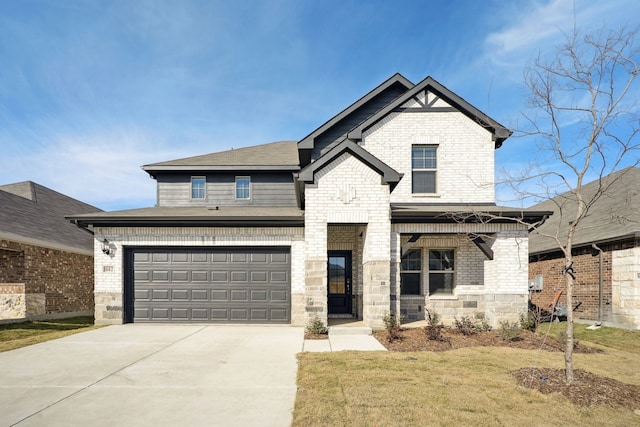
x,y
16,335
621,339
469,386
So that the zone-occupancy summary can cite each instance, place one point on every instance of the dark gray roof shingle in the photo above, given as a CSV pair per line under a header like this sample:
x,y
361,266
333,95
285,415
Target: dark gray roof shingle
x,y
30,212
615,216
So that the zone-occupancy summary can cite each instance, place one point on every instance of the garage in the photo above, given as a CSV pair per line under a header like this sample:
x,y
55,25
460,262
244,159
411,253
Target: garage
x,y
208,285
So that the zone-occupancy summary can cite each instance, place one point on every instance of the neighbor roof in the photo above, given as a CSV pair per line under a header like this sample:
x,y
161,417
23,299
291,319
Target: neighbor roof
x,y
281,155
615,216
34,214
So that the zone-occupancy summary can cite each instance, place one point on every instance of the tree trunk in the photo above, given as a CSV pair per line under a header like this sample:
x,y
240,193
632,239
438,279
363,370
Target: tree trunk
x,y
568,352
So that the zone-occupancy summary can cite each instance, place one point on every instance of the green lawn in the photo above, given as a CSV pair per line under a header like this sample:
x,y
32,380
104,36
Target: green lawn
x,y
468,386
16,335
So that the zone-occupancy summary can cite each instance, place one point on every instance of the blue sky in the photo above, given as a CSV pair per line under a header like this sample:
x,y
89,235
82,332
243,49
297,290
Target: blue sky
x,y
92,90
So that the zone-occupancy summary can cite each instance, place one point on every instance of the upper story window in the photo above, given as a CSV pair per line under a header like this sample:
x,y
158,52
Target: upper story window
x,y
423,168
243,187
198,187
441,272
411,272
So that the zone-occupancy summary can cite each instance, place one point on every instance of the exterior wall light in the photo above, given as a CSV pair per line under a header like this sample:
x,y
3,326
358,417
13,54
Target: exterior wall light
x,y
105,247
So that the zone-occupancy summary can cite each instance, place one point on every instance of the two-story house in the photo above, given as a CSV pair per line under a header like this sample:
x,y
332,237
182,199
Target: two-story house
x,y
373,212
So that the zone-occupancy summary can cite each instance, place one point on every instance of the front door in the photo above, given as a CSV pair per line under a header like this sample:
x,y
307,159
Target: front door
x,y
339,282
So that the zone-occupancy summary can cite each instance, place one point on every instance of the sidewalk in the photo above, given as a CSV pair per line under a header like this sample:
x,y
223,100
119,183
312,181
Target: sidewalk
x,y
345,338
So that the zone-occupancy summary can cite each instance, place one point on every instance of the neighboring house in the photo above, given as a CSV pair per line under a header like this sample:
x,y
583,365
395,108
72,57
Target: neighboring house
x,y
46,263
608,274
353,220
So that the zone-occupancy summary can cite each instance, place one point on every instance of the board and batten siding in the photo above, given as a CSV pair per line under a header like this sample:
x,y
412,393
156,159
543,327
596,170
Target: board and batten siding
x,y
266,190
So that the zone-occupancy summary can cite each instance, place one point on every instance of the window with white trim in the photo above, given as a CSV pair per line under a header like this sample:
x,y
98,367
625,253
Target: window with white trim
x,y
411,272
441,271
198,187
243,187
424,165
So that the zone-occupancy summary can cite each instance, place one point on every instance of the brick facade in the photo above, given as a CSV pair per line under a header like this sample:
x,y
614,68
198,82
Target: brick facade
x,y
55,281
585,290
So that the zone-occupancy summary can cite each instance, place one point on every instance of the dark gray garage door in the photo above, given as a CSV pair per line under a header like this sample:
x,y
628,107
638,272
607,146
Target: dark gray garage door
x,y
232,285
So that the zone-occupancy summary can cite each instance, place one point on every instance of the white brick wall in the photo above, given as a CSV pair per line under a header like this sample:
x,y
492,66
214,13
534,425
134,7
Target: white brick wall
x,y
509,270
465,155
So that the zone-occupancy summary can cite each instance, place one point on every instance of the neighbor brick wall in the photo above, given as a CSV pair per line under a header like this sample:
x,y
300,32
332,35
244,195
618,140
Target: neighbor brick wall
x,y
65,279
585,289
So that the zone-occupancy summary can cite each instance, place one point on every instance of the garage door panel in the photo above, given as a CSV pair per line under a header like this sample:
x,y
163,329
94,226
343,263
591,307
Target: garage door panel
x,y
242,285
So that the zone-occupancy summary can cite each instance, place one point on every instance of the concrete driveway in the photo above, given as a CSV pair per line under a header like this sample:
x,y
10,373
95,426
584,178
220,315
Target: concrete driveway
x,y
154,375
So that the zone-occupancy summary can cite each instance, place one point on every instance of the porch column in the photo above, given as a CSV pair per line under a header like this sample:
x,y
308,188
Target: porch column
x,y
395,273
316,269
376,271
506,279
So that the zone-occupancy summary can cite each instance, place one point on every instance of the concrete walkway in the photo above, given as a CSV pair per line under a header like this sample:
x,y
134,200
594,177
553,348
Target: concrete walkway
x,y
345,338
160,375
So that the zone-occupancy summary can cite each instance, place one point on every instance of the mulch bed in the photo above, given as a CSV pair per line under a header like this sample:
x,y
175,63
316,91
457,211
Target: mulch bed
x,y
587,389
415,339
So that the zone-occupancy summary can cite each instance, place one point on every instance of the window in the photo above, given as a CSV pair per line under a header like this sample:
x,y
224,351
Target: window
x,y
243,187
411,272
423,168
441,272
198,185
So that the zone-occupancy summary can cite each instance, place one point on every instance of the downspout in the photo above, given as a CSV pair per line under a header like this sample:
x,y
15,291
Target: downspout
x,y
594,246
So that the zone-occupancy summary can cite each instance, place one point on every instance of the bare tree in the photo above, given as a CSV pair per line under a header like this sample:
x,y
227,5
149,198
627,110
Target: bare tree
x,y
584,117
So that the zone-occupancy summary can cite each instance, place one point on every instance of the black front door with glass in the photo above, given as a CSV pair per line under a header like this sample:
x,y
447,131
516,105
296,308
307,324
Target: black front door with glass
x,y
339,282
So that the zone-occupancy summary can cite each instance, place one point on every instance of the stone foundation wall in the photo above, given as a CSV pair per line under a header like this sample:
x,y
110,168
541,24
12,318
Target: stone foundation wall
x,y
12,301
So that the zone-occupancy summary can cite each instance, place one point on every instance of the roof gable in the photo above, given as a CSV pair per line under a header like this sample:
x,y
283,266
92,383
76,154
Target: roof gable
x,y
388,174
500,133
281,155
397,80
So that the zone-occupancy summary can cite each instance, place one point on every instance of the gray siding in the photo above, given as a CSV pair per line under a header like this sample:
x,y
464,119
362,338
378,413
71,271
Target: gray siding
x,y
354,119
267,189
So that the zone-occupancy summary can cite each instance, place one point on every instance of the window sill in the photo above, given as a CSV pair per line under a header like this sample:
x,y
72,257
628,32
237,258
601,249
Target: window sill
x,y
411,296
443,297
426,195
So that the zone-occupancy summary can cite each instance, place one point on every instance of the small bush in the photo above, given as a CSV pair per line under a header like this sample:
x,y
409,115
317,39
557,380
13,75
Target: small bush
x,y
529,321
510,331
392,326
465,325
434,327
481,323
562,337
316,326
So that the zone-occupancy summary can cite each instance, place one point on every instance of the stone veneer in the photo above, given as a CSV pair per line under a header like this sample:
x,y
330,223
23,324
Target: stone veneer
x,y
626,288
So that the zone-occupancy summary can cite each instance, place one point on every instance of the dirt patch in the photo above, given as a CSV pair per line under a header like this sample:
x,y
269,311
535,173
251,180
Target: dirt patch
x,y
310,336
586,390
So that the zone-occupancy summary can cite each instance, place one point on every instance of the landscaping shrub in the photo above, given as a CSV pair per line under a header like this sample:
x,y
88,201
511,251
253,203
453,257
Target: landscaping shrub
x,y
316,326
434,327
392,326
510,331
465,325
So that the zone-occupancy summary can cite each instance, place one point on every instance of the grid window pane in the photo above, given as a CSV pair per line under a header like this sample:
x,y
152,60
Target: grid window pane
x,y
423,157
424,162
441,259
411,272
198,188
243,188
440,283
